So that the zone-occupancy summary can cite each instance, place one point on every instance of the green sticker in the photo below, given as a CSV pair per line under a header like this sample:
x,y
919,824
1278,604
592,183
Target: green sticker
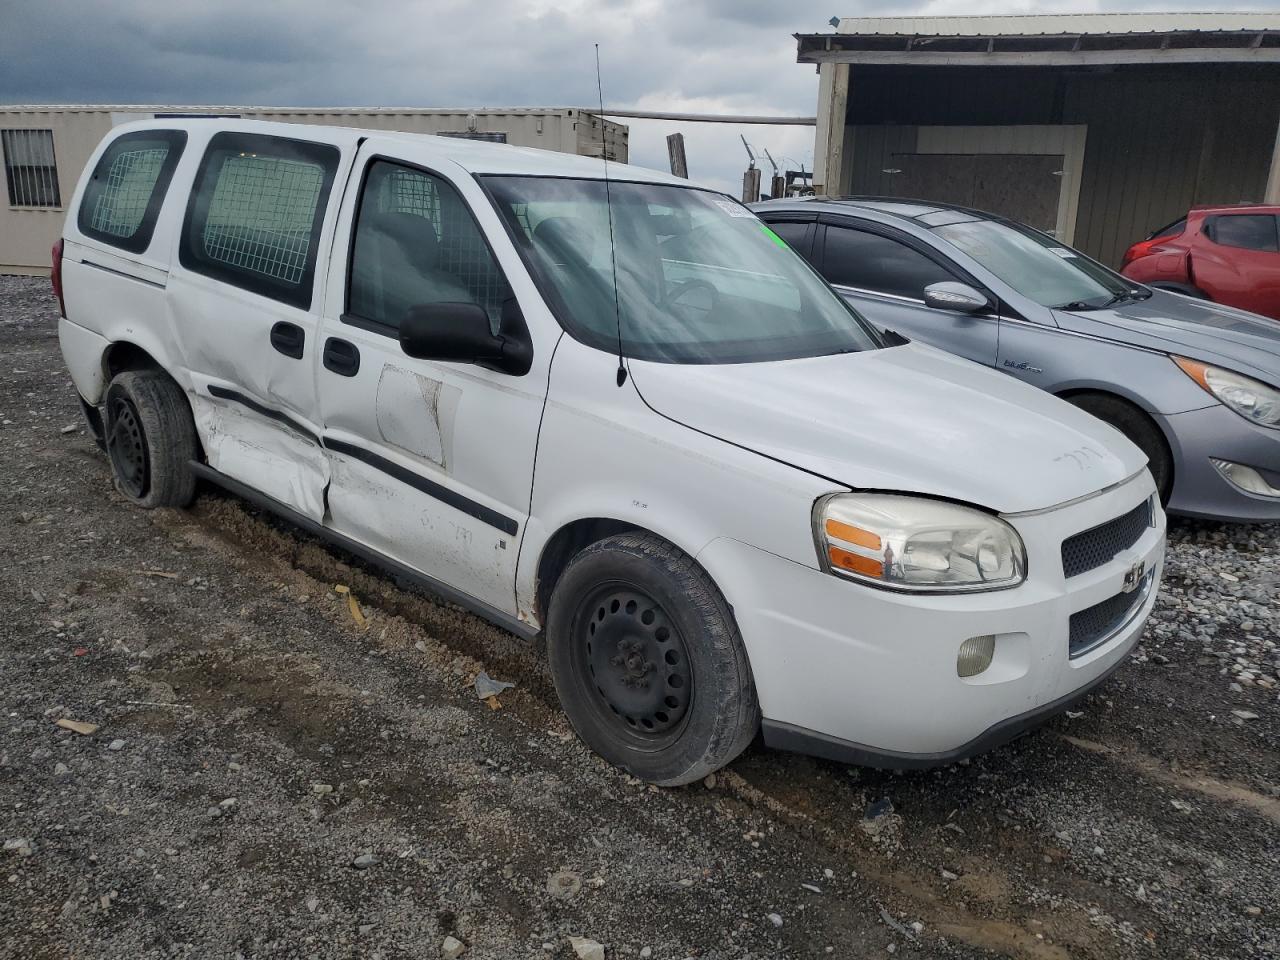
x,y
773,236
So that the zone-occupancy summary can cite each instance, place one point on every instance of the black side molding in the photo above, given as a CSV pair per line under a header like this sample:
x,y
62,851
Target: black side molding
x,y
420,580
432,489
786,736
438,491
121,273
222,393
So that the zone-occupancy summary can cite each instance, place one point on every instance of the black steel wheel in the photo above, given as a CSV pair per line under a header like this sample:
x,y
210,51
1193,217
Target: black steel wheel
x,y
151,438
648,661
127,446
637,662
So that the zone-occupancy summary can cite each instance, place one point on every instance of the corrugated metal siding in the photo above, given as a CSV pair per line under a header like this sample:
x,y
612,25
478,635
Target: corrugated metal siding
x,y
1158,141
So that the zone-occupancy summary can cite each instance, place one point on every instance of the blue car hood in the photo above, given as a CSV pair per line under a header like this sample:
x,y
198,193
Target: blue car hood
x,y
1191,328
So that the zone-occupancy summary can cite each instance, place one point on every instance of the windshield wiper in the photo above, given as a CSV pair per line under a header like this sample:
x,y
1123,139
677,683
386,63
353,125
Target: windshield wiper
x,y
1126,296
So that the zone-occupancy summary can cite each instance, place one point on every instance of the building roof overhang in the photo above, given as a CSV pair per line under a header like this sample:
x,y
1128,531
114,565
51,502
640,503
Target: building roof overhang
x,y
1048,40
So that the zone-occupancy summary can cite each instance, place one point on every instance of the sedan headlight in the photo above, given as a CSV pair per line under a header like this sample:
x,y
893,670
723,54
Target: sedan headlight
x,y
1250,398
914,544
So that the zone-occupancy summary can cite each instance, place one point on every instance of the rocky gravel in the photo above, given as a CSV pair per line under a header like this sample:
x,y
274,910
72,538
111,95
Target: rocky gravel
x,y
205,754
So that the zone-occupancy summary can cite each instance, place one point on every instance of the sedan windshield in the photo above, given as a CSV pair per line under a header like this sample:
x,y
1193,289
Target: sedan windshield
x,y
1038,266
699,278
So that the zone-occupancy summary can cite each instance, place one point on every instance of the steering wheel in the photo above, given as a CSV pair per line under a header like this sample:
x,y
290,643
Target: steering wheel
x,y
702,306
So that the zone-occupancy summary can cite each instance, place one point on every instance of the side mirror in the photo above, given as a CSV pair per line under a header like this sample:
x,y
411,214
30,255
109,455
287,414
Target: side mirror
x,y
949,295
460,332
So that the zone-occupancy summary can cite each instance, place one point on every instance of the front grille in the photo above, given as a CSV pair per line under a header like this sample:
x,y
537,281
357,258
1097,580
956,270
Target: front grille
x,y
1090,549
1093,625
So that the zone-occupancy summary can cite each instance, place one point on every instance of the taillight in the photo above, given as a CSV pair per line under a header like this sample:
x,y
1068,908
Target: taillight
x,y
1136,252
55,277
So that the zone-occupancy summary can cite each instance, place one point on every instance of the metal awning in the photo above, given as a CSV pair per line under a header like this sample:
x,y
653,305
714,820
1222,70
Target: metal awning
x,y
1048,40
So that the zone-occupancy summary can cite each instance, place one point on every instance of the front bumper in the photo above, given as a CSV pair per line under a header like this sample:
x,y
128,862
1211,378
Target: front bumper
x,y
1215,432
849,671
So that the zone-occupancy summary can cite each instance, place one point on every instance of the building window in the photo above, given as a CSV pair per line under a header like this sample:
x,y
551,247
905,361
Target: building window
x,y
29,168
256,211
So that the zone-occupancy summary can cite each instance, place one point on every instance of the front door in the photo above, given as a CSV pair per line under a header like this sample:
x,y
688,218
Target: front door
x,y
884,277
245,312
432,461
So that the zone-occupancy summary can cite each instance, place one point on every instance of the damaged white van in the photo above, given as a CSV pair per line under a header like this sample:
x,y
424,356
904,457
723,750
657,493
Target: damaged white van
x,y
618,411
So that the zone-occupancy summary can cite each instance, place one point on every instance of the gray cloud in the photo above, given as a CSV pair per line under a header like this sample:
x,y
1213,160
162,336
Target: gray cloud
x,y
713,55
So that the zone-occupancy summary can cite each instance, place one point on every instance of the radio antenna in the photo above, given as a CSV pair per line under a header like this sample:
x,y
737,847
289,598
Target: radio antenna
x,y
608,202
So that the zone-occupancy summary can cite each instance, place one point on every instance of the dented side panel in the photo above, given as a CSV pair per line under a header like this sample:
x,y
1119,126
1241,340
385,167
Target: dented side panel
x,y
432,462
283,463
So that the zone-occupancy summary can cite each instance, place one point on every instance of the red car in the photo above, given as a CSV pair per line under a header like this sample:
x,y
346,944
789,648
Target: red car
x,y
1230,255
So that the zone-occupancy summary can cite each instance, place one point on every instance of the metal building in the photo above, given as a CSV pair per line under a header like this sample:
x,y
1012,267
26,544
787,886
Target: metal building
x,y
45,149
1096,127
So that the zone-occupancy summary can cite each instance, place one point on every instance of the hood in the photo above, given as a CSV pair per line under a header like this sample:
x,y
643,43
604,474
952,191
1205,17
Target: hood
x,y
1197,329
910,419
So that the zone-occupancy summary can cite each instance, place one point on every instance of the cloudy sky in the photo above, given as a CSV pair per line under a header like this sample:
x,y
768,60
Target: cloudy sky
x,y
712,56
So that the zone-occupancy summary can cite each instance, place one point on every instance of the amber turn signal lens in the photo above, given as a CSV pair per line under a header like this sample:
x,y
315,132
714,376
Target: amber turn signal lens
x,y
1196,371
851,534
855,563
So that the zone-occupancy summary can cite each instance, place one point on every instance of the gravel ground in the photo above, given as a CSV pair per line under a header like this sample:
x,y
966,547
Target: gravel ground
x,y
268,778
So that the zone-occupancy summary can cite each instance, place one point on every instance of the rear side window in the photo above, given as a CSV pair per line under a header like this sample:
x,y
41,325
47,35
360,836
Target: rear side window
x,y
256,211
123,197
868,261
416,243
1172,230
1251,231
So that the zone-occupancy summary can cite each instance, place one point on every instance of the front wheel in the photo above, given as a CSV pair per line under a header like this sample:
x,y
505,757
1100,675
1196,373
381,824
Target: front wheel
x,y
1139,428
648,662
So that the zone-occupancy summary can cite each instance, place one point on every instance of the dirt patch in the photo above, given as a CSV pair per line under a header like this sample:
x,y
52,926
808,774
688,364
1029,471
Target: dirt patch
x,y
255,740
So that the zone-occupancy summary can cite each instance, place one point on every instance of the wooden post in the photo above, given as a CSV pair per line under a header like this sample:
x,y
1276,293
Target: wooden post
x,y
675,154
828,146
751,185
1273,178
778,186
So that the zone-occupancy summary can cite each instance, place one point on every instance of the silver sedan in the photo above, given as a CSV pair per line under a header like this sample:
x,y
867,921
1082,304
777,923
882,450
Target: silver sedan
x,y
1192,383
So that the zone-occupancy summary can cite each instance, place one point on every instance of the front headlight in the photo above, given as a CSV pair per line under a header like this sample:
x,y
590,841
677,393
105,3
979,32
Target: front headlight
x,y
914,544
1250,398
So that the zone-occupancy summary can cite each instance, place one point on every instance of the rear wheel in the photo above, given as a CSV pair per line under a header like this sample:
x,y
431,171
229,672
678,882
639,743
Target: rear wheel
x,y
648,662
150,438
1139,428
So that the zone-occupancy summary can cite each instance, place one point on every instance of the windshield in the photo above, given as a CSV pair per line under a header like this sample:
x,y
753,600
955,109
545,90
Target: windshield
x,y
699,278
1038,266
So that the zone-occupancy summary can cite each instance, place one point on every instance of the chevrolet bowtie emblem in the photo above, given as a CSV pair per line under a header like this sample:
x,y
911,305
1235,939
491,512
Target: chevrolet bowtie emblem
x,y
1134,576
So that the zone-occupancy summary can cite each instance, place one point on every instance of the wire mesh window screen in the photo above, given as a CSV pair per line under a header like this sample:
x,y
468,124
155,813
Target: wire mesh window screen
x,y
399,262
30,169
261,216
130,181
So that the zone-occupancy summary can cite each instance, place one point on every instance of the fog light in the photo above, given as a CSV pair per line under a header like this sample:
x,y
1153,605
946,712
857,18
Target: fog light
x,y
1246,478
975,655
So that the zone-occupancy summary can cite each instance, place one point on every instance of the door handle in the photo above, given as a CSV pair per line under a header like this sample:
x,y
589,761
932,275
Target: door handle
x,y
289,339
342,357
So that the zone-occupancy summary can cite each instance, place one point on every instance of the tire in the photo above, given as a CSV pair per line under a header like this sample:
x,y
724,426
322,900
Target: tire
x,y
1139,428
648,661
150,439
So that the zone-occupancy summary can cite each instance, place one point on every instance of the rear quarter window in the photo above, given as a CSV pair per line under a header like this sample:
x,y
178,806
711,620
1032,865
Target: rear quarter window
x,y
256,211
123,197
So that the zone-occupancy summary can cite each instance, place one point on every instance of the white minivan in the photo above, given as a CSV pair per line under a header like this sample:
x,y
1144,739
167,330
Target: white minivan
x,y
614,408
